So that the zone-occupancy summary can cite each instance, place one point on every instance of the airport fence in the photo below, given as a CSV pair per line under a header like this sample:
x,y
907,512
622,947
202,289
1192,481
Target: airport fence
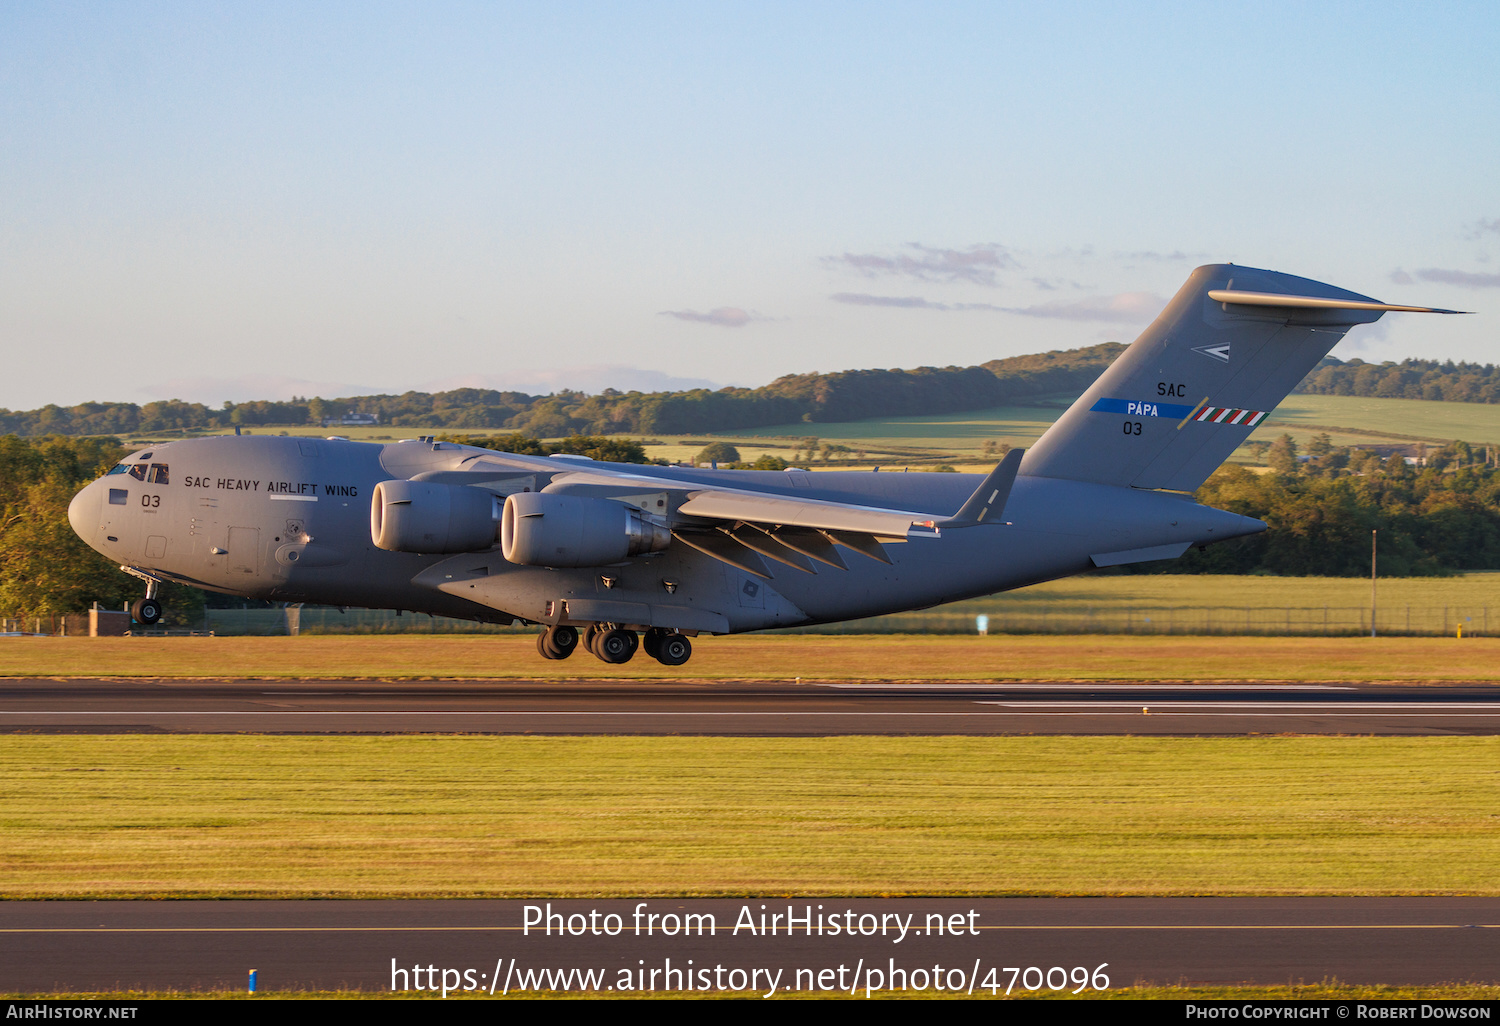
x,y
1037,618
1270,621
1033,618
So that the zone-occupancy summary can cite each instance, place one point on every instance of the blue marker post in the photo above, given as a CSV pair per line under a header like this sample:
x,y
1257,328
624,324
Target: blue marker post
x,y
252,981
982,624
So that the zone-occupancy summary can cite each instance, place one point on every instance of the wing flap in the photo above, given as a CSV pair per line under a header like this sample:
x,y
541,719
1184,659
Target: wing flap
x,y
783,511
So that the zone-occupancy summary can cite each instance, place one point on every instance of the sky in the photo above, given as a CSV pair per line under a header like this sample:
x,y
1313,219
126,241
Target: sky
x,y
228,201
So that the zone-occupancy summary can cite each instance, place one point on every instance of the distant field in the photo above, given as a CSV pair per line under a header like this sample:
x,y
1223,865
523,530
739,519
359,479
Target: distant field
x,y
328,817
958,438
1376,420
760,657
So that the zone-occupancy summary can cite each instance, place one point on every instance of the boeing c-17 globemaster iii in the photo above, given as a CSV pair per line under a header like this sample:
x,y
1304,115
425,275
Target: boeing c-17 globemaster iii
x,y
623,557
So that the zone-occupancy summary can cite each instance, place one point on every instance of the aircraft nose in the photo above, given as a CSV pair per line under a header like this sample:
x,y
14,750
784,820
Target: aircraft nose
x,y
83,512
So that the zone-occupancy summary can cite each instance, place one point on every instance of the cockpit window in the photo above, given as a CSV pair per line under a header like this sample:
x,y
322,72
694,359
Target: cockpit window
x,y
118,468
157,474
138,471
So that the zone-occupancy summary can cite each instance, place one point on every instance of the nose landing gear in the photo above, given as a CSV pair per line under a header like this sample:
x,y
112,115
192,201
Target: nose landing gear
x,y
147,611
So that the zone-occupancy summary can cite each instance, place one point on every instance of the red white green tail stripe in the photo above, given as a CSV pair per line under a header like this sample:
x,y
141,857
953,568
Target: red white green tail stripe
x,y
1229,415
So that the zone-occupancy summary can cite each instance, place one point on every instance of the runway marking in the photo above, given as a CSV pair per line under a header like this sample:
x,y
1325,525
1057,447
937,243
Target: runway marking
x,y
1007,709
1089,708
1023,686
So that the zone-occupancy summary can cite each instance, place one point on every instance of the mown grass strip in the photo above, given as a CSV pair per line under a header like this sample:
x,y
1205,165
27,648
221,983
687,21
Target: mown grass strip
x,y
811,657
199,816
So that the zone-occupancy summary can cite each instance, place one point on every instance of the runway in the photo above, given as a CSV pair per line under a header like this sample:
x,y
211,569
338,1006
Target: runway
x,y
740,708
953,943
190,945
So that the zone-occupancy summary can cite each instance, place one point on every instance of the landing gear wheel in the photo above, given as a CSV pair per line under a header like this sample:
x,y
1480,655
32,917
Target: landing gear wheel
x,y
616,646
557,642
146,611
651,642
673,650
590,636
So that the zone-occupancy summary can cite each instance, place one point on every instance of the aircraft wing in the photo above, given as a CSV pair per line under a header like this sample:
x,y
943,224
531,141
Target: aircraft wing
x,y
739,526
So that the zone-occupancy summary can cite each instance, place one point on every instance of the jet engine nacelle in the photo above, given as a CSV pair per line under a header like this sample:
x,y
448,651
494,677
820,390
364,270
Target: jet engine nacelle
x,y
543,529
421,516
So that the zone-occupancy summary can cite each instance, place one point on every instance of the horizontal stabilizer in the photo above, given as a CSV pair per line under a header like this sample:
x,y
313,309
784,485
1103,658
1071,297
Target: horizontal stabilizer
x,y
1239,298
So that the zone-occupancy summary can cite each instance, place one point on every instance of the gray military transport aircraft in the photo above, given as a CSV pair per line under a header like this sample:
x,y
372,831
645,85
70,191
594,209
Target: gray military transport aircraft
x,y
644,556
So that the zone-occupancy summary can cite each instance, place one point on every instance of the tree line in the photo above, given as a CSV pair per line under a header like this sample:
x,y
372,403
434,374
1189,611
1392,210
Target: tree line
x,y
1320,505
1441,380
813,398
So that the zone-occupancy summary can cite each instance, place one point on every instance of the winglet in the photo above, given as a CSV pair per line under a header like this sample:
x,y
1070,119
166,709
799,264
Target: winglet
x,y
987,504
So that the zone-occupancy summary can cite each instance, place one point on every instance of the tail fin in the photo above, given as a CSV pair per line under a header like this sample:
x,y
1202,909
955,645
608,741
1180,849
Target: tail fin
x,y
1228,348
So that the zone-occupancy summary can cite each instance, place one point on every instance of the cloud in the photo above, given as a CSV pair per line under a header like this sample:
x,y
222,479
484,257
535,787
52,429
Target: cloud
x,y
1400,277
1483,227
907,302
1463,279
722,316
1176,254
977,265
1124,308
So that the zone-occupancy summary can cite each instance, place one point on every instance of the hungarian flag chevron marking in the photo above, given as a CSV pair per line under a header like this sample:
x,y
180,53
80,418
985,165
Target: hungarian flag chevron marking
x,y
1229,415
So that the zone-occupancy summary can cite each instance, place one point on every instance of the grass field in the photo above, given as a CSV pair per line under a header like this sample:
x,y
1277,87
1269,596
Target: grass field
x,y
811,657
223,816
957,438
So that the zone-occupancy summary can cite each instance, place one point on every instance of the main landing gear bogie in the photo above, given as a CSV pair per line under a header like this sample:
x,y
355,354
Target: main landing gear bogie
x,y
667,647
615,645
557,642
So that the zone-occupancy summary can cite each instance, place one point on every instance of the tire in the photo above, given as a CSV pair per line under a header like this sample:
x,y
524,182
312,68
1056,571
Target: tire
x,y
146,611
616,646
674,650
651,642
563,640
557,642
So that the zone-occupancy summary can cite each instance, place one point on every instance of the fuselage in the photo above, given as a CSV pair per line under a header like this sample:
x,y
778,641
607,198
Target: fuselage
x,y
289,519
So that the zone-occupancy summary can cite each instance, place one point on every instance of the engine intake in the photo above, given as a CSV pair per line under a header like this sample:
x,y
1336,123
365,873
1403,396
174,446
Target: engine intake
x,y
543,529
421,516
